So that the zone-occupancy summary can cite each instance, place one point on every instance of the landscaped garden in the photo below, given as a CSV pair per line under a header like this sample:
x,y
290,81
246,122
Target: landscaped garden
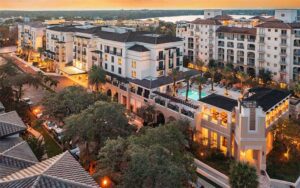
x,y
283,161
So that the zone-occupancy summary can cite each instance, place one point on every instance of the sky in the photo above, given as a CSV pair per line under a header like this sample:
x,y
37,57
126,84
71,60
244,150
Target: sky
x,y
139,4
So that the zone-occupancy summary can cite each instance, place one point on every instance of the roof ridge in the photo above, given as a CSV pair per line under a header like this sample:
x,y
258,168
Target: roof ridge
x,y
12,124
36,180
12,147
58,157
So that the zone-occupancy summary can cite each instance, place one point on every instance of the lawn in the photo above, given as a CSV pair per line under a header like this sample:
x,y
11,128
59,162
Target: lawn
x,y
52,148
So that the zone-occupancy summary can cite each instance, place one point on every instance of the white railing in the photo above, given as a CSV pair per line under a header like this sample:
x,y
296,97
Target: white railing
x,y
275,183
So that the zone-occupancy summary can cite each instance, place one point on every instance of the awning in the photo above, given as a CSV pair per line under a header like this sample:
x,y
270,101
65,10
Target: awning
x,y
71,70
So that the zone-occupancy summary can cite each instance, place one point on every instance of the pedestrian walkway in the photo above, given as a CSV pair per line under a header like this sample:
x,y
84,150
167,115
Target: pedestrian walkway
x,y
212,174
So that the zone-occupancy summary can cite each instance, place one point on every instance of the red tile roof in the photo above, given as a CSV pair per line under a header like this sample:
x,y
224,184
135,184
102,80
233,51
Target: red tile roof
x,y
206,21
274,24
239,30
223,17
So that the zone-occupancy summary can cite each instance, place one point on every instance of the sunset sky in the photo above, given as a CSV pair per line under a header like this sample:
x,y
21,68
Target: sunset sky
x,y
150,4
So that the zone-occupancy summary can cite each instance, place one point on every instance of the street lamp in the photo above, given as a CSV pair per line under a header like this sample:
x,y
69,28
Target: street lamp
x,y
105,182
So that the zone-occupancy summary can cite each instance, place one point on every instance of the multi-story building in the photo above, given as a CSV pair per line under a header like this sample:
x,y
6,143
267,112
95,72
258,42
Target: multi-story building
x,y
32,35
138,67
264,43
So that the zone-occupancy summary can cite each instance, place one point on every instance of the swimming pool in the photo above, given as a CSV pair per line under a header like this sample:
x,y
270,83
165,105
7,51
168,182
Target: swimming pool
x,y
192,94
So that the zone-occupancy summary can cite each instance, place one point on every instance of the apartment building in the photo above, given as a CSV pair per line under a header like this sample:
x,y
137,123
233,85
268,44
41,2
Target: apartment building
x,y
31,34
138,67
264,43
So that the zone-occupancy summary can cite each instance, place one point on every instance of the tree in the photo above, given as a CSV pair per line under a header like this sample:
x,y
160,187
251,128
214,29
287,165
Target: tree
x,y
94,125
147,112
40,50
228,77
296,89
187,80
200,81
96,76
265,76
243,175
199,63
71,100
243,78
157,157
19,80
212,73
36,146
174,74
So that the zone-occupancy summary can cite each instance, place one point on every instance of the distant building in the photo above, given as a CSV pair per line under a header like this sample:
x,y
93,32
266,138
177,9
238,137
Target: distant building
x,y
270,43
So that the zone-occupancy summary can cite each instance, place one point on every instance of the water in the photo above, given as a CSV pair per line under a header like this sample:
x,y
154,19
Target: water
x,y
192,94
190,18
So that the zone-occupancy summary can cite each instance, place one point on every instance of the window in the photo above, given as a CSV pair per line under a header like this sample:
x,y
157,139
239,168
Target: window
x,y
112,59
119,61
276,30
133,74
105,66
105,57
112,68
133,64
252,119
204,135
214,139
120,70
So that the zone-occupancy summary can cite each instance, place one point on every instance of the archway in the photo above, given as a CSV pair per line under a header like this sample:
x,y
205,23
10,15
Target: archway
x,y
160,118
108,93
116,97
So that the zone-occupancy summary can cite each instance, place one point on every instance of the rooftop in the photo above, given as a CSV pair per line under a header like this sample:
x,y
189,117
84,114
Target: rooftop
x,y
59,171
239,30
138,48
265,97
206,21
274,23
220,101
10,123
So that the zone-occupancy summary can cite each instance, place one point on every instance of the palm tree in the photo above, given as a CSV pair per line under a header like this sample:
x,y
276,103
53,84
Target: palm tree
x,y
199,63
212,72
243,77
96,76
147,112
187,80
227,73
265,76
174,74
243,175
200,81
20,80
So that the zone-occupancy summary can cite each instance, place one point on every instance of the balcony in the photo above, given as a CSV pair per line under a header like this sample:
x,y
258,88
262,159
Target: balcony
x,y
283,54
282,62
160,58
283,44
119,53
251,47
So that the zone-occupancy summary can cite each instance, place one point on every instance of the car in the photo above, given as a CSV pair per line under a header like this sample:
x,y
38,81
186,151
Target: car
x,y
58,133
75,151
27,101
49,125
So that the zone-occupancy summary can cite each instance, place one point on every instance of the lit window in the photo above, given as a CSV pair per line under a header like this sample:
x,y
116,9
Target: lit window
x,y
214,138
133,64
133,74
105,57
119,61
204,134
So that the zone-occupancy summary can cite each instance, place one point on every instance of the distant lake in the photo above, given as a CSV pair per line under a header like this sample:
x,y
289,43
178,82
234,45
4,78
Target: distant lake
x,y
193,17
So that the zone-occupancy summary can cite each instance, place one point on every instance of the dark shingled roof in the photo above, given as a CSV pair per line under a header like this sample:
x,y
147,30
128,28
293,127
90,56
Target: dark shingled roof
x,y
59,171
240,30
265,97
206,21
295,25
274,24
10,123
260,18
138,48
139,36
220,101
163,80
15,154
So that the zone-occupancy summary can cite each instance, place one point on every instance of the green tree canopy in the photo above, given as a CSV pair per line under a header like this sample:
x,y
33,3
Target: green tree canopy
x,y
71,100
157,157
96,76
94,125
243,175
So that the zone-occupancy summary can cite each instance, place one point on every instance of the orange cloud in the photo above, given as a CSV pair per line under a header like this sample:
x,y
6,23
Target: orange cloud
x,y
151,4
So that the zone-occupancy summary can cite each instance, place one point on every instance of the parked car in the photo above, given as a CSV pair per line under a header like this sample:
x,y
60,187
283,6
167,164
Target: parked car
x,y
49,125
58,133
75,152
27,101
